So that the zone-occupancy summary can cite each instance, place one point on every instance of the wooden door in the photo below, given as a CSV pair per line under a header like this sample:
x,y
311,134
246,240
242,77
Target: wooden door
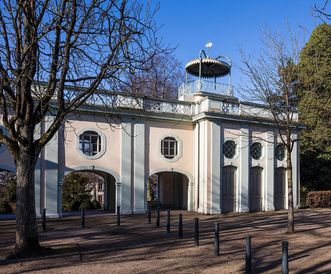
x,y
228,189
280,189
255,189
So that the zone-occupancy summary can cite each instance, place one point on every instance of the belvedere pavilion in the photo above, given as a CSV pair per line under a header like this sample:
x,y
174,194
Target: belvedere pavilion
x,y
208,151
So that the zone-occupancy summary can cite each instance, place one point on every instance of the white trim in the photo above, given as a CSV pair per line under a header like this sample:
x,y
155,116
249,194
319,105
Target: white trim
x,y
103,143
93,169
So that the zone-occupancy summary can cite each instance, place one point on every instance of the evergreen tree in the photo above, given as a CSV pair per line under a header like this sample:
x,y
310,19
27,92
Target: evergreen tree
x,y
75,191
315,109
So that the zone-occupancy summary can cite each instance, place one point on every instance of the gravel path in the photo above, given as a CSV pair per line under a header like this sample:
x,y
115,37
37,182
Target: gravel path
x,y
139,247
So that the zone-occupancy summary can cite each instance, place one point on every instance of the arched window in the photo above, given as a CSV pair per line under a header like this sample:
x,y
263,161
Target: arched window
x,y
90,143
229,149
280,152
169,147
256,150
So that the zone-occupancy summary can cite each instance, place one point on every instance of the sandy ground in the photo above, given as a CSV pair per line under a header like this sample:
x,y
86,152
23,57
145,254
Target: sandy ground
x,y
139,247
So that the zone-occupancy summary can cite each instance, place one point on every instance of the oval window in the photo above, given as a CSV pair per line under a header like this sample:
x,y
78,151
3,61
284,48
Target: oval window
x,y
256,150
90,143
280,152
229,149
169,147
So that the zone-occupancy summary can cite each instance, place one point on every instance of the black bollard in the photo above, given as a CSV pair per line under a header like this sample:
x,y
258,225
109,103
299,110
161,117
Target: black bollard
x,y
285,257
82,217
118,215
248,255
158,216
44,219
180,226
196,231
217,240
168,221
149,214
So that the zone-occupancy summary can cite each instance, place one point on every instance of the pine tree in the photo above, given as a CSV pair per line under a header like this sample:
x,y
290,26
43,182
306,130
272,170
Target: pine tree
x,y
315,108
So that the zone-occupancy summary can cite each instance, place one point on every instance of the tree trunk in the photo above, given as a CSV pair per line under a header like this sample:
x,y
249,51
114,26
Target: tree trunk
x,y
290,216
27,242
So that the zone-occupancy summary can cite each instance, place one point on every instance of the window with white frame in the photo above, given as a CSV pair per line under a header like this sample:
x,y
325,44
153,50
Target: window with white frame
x,y
256,150
169,147
229,149
90,143
280,152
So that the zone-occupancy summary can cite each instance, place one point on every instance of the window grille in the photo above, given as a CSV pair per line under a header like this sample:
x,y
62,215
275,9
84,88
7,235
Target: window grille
x,y
256,150
229,149
280,152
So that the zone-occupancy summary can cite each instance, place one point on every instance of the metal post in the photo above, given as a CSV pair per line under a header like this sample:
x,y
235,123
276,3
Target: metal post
x,y
149,214
82,217
285,269
44,220
196,231
248,255
180,226
217,240
118,215
158,216
168,221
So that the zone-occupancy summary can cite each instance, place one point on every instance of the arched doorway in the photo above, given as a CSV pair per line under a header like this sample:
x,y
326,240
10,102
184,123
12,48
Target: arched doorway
x,y
228,189
255,189
99,188
168,190
280,188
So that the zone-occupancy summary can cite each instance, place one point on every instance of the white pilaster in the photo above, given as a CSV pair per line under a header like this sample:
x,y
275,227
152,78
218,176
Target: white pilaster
x,y
196,167
270,172
126,160
295,171
215,168
203,172
37,178
52,176
139,168
243,189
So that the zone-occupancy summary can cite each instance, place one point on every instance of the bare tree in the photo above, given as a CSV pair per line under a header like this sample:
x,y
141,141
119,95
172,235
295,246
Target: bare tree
x,y
160,78
60,43
322,11
273,80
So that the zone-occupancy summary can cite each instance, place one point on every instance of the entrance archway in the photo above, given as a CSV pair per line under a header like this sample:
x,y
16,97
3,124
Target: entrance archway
x,y
101,186
255,189
168,190
228,189
280,188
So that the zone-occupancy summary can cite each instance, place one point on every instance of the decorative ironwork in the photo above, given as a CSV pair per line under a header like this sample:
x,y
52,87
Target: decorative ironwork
x,y
168,107
256,150
280,152
205,86
229,108
229,149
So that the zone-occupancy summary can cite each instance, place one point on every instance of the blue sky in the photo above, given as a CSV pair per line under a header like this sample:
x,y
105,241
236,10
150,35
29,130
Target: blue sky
x,y
230,25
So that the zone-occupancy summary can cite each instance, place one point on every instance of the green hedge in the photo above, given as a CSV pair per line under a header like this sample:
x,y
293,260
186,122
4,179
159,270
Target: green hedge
x,y
317,199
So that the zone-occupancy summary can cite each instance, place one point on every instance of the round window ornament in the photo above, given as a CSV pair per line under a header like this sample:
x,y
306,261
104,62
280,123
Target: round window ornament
x,y
229,149
256,150
280,152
